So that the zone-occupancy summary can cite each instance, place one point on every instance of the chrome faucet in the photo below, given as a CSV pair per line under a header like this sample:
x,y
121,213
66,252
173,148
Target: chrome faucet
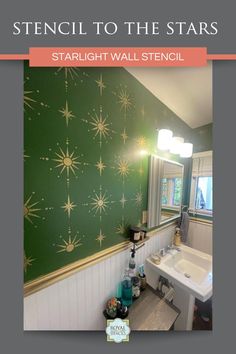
x,y
162,252
172,247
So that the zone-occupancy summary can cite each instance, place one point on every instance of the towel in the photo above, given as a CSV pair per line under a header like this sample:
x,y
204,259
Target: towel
x,y
184,226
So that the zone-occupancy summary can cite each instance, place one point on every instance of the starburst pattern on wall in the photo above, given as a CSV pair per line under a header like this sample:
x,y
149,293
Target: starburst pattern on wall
x,y
138,198
122,228
100,126
100,201
100,238
141,142
67,114
124,100
27,262
28,101
100,166
101,85
69,72
66,161
124,135
68,206
123,168
123,200
30,210
69,244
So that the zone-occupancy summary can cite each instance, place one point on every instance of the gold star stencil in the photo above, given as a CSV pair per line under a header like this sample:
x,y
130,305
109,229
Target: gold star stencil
x,y
68,161
67,114
123,200
28,100
122,228
71,75
30,209
33,210
100,84
69,244
124,99
124,136
100,238
138,198
99,126
27,262
99,202
68,206
100,166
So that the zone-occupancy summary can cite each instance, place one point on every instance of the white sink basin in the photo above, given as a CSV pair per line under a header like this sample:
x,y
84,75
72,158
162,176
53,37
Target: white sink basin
x,y
190,269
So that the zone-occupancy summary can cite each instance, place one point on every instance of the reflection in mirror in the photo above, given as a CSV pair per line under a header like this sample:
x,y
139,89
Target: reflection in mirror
x,y
171,190
165,190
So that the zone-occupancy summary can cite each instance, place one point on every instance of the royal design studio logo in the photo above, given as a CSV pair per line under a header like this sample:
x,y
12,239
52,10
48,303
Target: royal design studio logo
x,y
117,330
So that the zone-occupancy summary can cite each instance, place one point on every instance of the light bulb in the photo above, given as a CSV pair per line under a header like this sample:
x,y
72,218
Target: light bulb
x,y
164,139
186,150
176,143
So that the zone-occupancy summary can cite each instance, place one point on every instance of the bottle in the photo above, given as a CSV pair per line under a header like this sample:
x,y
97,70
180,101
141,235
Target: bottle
x,y
136,284
126,295
177,239
142,277
132,264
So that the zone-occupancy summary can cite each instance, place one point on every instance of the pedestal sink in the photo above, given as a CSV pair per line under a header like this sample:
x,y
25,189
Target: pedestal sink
x,y
190,272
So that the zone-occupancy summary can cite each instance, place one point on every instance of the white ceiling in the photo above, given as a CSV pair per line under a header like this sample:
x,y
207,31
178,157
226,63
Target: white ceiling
x,y
186,91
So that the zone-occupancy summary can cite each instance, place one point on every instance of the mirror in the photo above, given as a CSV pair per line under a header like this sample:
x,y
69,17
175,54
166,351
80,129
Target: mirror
x,y
165,190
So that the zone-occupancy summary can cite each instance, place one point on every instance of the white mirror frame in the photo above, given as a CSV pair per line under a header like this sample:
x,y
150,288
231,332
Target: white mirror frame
x,y
156,164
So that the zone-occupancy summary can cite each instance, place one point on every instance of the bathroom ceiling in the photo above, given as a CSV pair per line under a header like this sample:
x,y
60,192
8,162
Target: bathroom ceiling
x,y
186,91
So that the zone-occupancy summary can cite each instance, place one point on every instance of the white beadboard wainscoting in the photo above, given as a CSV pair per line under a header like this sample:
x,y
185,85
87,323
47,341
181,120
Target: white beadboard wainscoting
x,y
200,236
77,302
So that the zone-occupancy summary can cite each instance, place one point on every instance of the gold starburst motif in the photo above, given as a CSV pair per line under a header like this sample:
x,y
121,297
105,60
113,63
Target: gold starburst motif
x,y
100,202
67,114
124,136
124,100
100,238
100,126
100,166
27,262
29,209
67,161
69,244
138,198
123,168
141,141
68,206
123,201
100,84
122,228
28,101
69,72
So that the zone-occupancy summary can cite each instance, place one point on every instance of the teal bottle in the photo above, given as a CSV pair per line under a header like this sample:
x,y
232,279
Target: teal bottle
x,y
126,295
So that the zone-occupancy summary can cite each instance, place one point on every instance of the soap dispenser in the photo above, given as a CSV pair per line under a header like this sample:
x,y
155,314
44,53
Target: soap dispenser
x,y
132,264
177,238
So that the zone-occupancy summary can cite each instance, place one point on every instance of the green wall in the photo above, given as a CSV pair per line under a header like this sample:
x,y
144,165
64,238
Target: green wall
x,y
85,171
202,138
